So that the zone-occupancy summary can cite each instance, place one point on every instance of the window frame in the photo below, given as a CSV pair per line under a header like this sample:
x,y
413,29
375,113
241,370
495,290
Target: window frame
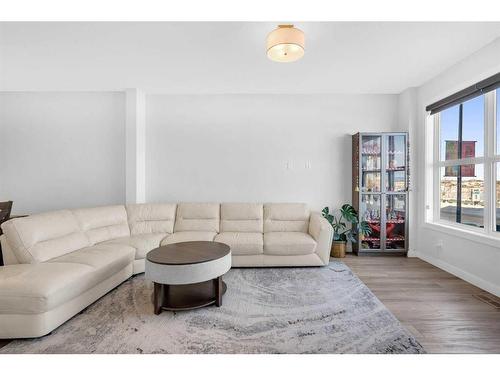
x,y
495,150
489,161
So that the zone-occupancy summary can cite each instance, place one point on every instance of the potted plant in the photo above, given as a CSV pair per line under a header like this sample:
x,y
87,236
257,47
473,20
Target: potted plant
x,y
345,226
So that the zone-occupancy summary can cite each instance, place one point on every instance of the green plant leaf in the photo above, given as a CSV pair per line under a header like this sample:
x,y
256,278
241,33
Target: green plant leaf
x,y
340,220
349,213
364,228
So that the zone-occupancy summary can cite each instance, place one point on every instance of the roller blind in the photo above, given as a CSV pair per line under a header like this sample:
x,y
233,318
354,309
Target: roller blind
x,y
470,92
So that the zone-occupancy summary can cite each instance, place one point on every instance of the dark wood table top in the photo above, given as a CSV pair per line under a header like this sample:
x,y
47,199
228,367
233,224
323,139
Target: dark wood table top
x,y
188,252
17,216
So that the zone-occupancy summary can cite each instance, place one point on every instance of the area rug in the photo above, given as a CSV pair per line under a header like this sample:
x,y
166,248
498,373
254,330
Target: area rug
x,y
265,310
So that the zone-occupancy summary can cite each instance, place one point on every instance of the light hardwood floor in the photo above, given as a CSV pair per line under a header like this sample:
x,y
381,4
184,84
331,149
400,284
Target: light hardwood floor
x,y
439,309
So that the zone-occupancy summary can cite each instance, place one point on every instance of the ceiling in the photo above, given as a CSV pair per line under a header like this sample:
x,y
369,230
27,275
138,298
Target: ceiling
x,y
229,57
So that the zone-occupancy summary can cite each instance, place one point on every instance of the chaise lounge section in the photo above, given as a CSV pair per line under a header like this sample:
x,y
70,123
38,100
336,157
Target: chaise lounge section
x,y
57,263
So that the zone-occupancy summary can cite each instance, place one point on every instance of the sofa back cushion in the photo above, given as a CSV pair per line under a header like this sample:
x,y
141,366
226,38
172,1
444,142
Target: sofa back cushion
x,y
241,217
40,237
103,223
150,218
199,217
286,217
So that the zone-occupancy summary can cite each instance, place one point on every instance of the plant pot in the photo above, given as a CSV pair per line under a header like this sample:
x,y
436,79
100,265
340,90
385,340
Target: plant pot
x,y
338,249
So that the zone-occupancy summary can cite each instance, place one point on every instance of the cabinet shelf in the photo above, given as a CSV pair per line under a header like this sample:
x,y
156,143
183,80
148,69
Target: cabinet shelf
x,y
393,239
398,169
387,221
388,239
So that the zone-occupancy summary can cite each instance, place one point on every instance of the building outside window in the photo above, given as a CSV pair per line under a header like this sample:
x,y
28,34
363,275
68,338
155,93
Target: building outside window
x,y
467,164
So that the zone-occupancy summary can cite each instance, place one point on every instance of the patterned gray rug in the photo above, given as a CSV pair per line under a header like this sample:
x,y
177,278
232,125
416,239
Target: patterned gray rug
x,y
280,310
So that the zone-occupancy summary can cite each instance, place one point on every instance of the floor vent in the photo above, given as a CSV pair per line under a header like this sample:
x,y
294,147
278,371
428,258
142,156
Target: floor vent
x,y
487,299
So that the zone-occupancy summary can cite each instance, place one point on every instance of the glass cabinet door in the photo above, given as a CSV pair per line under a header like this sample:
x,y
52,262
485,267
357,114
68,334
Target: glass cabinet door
x,y
395,221
371,152
395,165
370,212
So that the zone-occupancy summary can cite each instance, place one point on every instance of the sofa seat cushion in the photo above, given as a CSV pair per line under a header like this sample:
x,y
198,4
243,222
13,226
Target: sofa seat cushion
x,y
242,243
104,259
188,236
288,243
37,288
142,243
41,287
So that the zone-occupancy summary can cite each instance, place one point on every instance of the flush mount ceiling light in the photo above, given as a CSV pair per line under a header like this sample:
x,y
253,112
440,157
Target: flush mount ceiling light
x,y
285,44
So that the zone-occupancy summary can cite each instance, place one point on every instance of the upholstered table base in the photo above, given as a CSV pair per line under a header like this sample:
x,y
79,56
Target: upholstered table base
x,y
188,275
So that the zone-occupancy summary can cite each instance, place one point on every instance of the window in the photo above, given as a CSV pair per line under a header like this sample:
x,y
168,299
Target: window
x,y
461,134
497,198
467,164
497,120
462,194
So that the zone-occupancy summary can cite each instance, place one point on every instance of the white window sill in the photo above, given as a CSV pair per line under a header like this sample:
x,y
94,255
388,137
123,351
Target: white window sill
x,y
469,234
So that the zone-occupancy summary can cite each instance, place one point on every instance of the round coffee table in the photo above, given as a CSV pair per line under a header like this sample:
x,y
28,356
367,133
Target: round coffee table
x,y
188,275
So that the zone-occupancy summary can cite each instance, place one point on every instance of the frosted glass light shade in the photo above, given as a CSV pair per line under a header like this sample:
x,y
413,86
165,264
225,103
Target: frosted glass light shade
x,y
285,44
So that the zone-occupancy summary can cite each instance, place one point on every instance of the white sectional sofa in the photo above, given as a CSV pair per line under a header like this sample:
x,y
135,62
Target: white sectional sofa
x,y
57,263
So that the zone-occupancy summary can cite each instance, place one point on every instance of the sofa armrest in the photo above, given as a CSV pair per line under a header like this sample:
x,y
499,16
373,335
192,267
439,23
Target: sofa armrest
x,y
7,253
322,232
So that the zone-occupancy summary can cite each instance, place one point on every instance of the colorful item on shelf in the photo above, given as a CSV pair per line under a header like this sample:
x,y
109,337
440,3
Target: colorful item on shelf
x,y
371,147
389,227
375,228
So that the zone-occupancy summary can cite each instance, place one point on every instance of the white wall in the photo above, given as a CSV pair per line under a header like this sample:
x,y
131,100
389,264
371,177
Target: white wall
x,y
61,150
476,262
236,147
67,149
407,119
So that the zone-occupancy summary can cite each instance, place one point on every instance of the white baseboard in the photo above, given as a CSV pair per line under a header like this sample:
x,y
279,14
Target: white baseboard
x,y
464,275
412,254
